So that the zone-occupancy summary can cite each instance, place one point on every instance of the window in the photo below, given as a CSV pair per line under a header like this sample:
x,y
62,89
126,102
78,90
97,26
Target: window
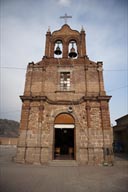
x,y
65,81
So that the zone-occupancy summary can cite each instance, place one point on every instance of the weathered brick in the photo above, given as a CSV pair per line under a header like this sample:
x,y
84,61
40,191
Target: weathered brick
x,y
44,100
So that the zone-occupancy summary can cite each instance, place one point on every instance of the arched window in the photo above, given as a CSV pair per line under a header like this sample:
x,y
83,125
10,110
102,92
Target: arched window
x,y
72,49
58,49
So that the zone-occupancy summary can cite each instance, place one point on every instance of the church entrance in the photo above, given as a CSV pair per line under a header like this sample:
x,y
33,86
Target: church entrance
x,y
64,137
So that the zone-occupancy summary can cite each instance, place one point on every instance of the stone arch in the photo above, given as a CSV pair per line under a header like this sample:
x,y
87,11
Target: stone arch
x,y
65,118
64,136
57,38
58,44
77,42
60,111
75,38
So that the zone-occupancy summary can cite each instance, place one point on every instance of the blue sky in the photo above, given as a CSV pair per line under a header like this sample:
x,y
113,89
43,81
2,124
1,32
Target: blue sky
x,y
23,28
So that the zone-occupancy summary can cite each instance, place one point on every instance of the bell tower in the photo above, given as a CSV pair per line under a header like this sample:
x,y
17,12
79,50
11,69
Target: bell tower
x,y
65,110
65,43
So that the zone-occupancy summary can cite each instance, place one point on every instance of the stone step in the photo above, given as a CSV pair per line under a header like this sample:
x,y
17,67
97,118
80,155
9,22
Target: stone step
x,y
63,163
121,159
121,162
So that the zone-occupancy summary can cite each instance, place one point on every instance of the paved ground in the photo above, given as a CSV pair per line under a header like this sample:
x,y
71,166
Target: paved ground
x,y
35,178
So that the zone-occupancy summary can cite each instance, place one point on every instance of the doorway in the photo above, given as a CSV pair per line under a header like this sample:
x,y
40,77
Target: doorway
x,y
64,137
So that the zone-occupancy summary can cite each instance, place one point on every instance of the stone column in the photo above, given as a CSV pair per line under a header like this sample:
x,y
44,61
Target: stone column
x,y
51,49
43,81
88,108
65,50
32,140
37,158
45,135
86,82
107,133
21,146
90,149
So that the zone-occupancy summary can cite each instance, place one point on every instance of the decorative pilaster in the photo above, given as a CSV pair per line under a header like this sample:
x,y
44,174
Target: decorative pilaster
x,y
100,75
28,82
88,108
107,134
22,141
86,82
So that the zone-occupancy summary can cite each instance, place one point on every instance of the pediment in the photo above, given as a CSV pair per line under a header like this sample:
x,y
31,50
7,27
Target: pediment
x,y
65,30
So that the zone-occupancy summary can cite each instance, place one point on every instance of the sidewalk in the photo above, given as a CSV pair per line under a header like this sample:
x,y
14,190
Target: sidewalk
x,y
36,178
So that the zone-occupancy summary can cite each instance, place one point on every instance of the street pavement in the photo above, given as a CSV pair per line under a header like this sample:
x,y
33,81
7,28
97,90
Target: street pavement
x,y
37,178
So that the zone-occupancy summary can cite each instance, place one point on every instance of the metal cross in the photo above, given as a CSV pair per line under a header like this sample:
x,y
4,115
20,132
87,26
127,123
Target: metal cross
x,y
65,17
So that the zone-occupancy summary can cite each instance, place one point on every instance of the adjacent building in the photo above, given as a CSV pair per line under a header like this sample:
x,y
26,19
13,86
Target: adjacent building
x,y
120,133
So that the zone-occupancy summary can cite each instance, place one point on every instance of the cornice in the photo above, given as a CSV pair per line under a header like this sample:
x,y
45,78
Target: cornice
x,y
64,102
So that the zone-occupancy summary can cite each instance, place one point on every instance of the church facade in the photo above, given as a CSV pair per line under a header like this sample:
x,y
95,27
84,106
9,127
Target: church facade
x,y
65,109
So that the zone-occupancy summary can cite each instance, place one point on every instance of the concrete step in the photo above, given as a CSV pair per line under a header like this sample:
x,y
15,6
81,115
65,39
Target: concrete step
x,y
63,163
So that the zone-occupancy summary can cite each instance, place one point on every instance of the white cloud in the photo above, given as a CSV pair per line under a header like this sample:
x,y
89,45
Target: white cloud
x,y
64,2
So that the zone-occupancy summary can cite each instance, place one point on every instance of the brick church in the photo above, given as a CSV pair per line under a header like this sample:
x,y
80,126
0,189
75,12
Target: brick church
x,y
65,112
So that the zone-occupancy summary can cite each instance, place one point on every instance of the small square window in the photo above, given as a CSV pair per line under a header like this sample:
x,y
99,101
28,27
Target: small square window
x,y
65,80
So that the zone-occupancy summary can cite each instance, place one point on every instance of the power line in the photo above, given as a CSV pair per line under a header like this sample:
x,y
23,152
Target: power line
x,y
117,88
13,68
20,68
15,111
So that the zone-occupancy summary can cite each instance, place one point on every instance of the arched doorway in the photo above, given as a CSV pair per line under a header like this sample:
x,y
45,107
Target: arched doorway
x,y
64,126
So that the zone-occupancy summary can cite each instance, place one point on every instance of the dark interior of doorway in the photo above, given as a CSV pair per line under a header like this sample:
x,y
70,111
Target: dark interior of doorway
x,y
64,144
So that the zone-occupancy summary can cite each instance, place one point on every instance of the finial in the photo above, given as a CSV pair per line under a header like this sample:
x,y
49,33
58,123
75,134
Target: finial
x,y
65,17
49,29
82,28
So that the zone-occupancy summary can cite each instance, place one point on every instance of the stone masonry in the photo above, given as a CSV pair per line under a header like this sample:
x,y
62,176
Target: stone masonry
x,y
44,99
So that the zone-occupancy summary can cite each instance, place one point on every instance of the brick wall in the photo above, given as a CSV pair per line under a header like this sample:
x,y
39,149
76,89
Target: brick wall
x,y
43,100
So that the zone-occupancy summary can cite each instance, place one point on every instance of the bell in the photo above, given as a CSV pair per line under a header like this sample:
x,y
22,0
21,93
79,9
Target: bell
x,y
72,53
58,51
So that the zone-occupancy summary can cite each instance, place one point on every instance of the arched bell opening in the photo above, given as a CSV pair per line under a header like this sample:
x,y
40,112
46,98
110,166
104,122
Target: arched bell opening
x,y
58,47
64,137
72,49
